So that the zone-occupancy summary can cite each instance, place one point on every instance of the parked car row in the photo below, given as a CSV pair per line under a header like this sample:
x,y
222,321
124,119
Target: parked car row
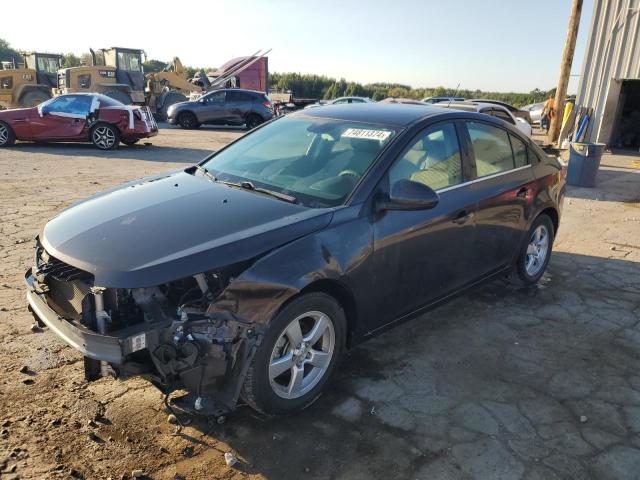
x,y
106,122
493,109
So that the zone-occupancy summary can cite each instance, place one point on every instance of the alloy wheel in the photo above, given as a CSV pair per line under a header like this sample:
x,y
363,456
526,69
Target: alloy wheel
x,y
537,250
187,120
302,355
4,134
104,137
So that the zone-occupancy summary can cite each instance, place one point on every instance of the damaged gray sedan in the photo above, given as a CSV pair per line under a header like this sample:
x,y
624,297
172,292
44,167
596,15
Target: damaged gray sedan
x,y
248,274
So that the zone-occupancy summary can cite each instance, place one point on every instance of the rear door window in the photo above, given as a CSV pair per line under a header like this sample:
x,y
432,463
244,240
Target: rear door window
x,y
491,148
239,97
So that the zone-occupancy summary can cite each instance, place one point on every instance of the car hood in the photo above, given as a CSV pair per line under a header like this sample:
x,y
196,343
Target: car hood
x,y
187,103
171,226
16,113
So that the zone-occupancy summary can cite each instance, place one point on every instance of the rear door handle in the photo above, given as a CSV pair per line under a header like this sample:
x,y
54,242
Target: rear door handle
x,y
523,193
462,217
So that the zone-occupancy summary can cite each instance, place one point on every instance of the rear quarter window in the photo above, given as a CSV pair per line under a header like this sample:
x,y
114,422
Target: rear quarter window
x,y
519,152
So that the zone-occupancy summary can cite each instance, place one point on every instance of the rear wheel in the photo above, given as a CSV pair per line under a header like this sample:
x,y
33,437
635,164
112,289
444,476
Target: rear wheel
x,y
253,121
535,254
33,98
105,136
297,356
120,96
188,120
7,137
171,99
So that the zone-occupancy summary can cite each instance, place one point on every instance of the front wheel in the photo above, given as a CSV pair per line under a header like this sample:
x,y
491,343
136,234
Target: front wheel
x,y
535,254
297,356
105,136
188,120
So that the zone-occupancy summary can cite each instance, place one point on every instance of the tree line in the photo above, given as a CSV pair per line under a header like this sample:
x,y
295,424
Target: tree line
x,y
319,86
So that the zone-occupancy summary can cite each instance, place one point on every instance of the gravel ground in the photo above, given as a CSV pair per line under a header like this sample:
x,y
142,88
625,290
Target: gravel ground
x,y
503,383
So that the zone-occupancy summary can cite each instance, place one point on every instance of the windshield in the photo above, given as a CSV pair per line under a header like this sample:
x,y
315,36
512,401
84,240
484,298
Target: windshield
x,y
129,61
48,64
316,160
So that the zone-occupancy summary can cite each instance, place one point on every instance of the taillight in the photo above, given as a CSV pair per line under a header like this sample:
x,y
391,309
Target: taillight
x,y
267,104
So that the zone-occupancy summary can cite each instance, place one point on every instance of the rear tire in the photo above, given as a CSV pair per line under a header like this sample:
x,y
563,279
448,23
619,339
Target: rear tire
x,y
105,136
122,97
7,137
188,120
309,353
535,253
253,121
170,99
33,98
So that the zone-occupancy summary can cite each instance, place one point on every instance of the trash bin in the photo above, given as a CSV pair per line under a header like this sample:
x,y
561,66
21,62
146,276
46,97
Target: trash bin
x,y
584,161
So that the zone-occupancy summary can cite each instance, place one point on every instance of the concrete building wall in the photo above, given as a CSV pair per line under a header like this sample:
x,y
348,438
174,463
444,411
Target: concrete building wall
x,y
612,56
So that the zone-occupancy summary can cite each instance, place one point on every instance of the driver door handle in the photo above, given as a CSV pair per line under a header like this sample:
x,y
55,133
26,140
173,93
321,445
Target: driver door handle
x,y
463,217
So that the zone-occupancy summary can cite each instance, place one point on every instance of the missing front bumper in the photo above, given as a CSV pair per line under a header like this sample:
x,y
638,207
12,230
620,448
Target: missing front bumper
x,y
93,345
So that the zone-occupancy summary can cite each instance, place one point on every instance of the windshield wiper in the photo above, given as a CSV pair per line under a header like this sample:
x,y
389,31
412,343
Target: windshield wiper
x,y
205,173
247,185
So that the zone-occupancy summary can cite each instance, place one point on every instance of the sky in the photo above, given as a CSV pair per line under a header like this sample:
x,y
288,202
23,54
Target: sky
x,y
492,45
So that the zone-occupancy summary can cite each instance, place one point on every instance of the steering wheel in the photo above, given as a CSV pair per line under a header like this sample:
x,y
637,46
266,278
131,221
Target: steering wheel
x,y
350,173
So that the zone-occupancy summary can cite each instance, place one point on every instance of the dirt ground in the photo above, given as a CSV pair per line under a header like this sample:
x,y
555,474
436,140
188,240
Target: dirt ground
x,y
503,383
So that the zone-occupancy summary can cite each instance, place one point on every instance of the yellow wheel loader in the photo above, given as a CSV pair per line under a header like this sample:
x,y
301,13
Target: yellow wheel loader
x,y
29,84
122,77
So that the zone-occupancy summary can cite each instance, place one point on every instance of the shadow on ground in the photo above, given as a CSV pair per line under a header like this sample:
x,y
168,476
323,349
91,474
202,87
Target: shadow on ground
x,y
154,153
502,382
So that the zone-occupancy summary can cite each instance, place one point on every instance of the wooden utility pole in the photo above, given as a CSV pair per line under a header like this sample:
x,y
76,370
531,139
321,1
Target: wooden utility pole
x,y
565,70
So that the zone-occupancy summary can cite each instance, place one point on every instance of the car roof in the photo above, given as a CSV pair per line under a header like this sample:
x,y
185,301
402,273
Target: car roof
x,y
244,90
392,114
471,106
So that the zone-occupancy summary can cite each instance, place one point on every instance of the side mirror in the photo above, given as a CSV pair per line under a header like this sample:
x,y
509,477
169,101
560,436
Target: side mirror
x,y
409,195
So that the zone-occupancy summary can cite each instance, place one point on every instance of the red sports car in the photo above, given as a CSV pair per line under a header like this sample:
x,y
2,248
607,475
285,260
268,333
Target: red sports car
x,y
78,117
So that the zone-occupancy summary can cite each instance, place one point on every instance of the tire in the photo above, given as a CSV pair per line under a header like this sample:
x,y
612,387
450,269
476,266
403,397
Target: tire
x,y
33,98
130,142
170,99
7,137
122,97
277,393
253,121
105,136
188,120
535,253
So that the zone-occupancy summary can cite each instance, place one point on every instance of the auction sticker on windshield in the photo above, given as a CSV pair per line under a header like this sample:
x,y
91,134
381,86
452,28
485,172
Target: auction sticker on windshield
x,y
366,133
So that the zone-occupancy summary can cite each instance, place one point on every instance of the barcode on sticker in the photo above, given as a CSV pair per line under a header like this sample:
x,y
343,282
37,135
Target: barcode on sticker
x,y
138,342
366,133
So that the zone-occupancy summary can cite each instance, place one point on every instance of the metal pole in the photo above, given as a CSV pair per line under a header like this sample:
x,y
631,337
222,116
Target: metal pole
x,y
565,71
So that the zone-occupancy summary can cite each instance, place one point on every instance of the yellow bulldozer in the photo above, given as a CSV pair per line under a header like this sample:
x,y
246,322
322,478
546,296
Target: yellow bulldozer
x,y
31,83
122,77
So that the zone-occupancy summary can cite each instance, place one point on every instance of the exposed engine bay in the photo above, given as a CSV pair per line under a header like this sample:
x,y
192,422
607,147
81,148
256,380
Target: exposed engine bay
x,y
179,335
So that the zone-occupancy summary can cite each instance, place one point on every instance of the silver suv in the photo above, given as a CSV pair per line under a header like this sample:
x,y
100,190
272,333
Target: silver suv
x,y
232,106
